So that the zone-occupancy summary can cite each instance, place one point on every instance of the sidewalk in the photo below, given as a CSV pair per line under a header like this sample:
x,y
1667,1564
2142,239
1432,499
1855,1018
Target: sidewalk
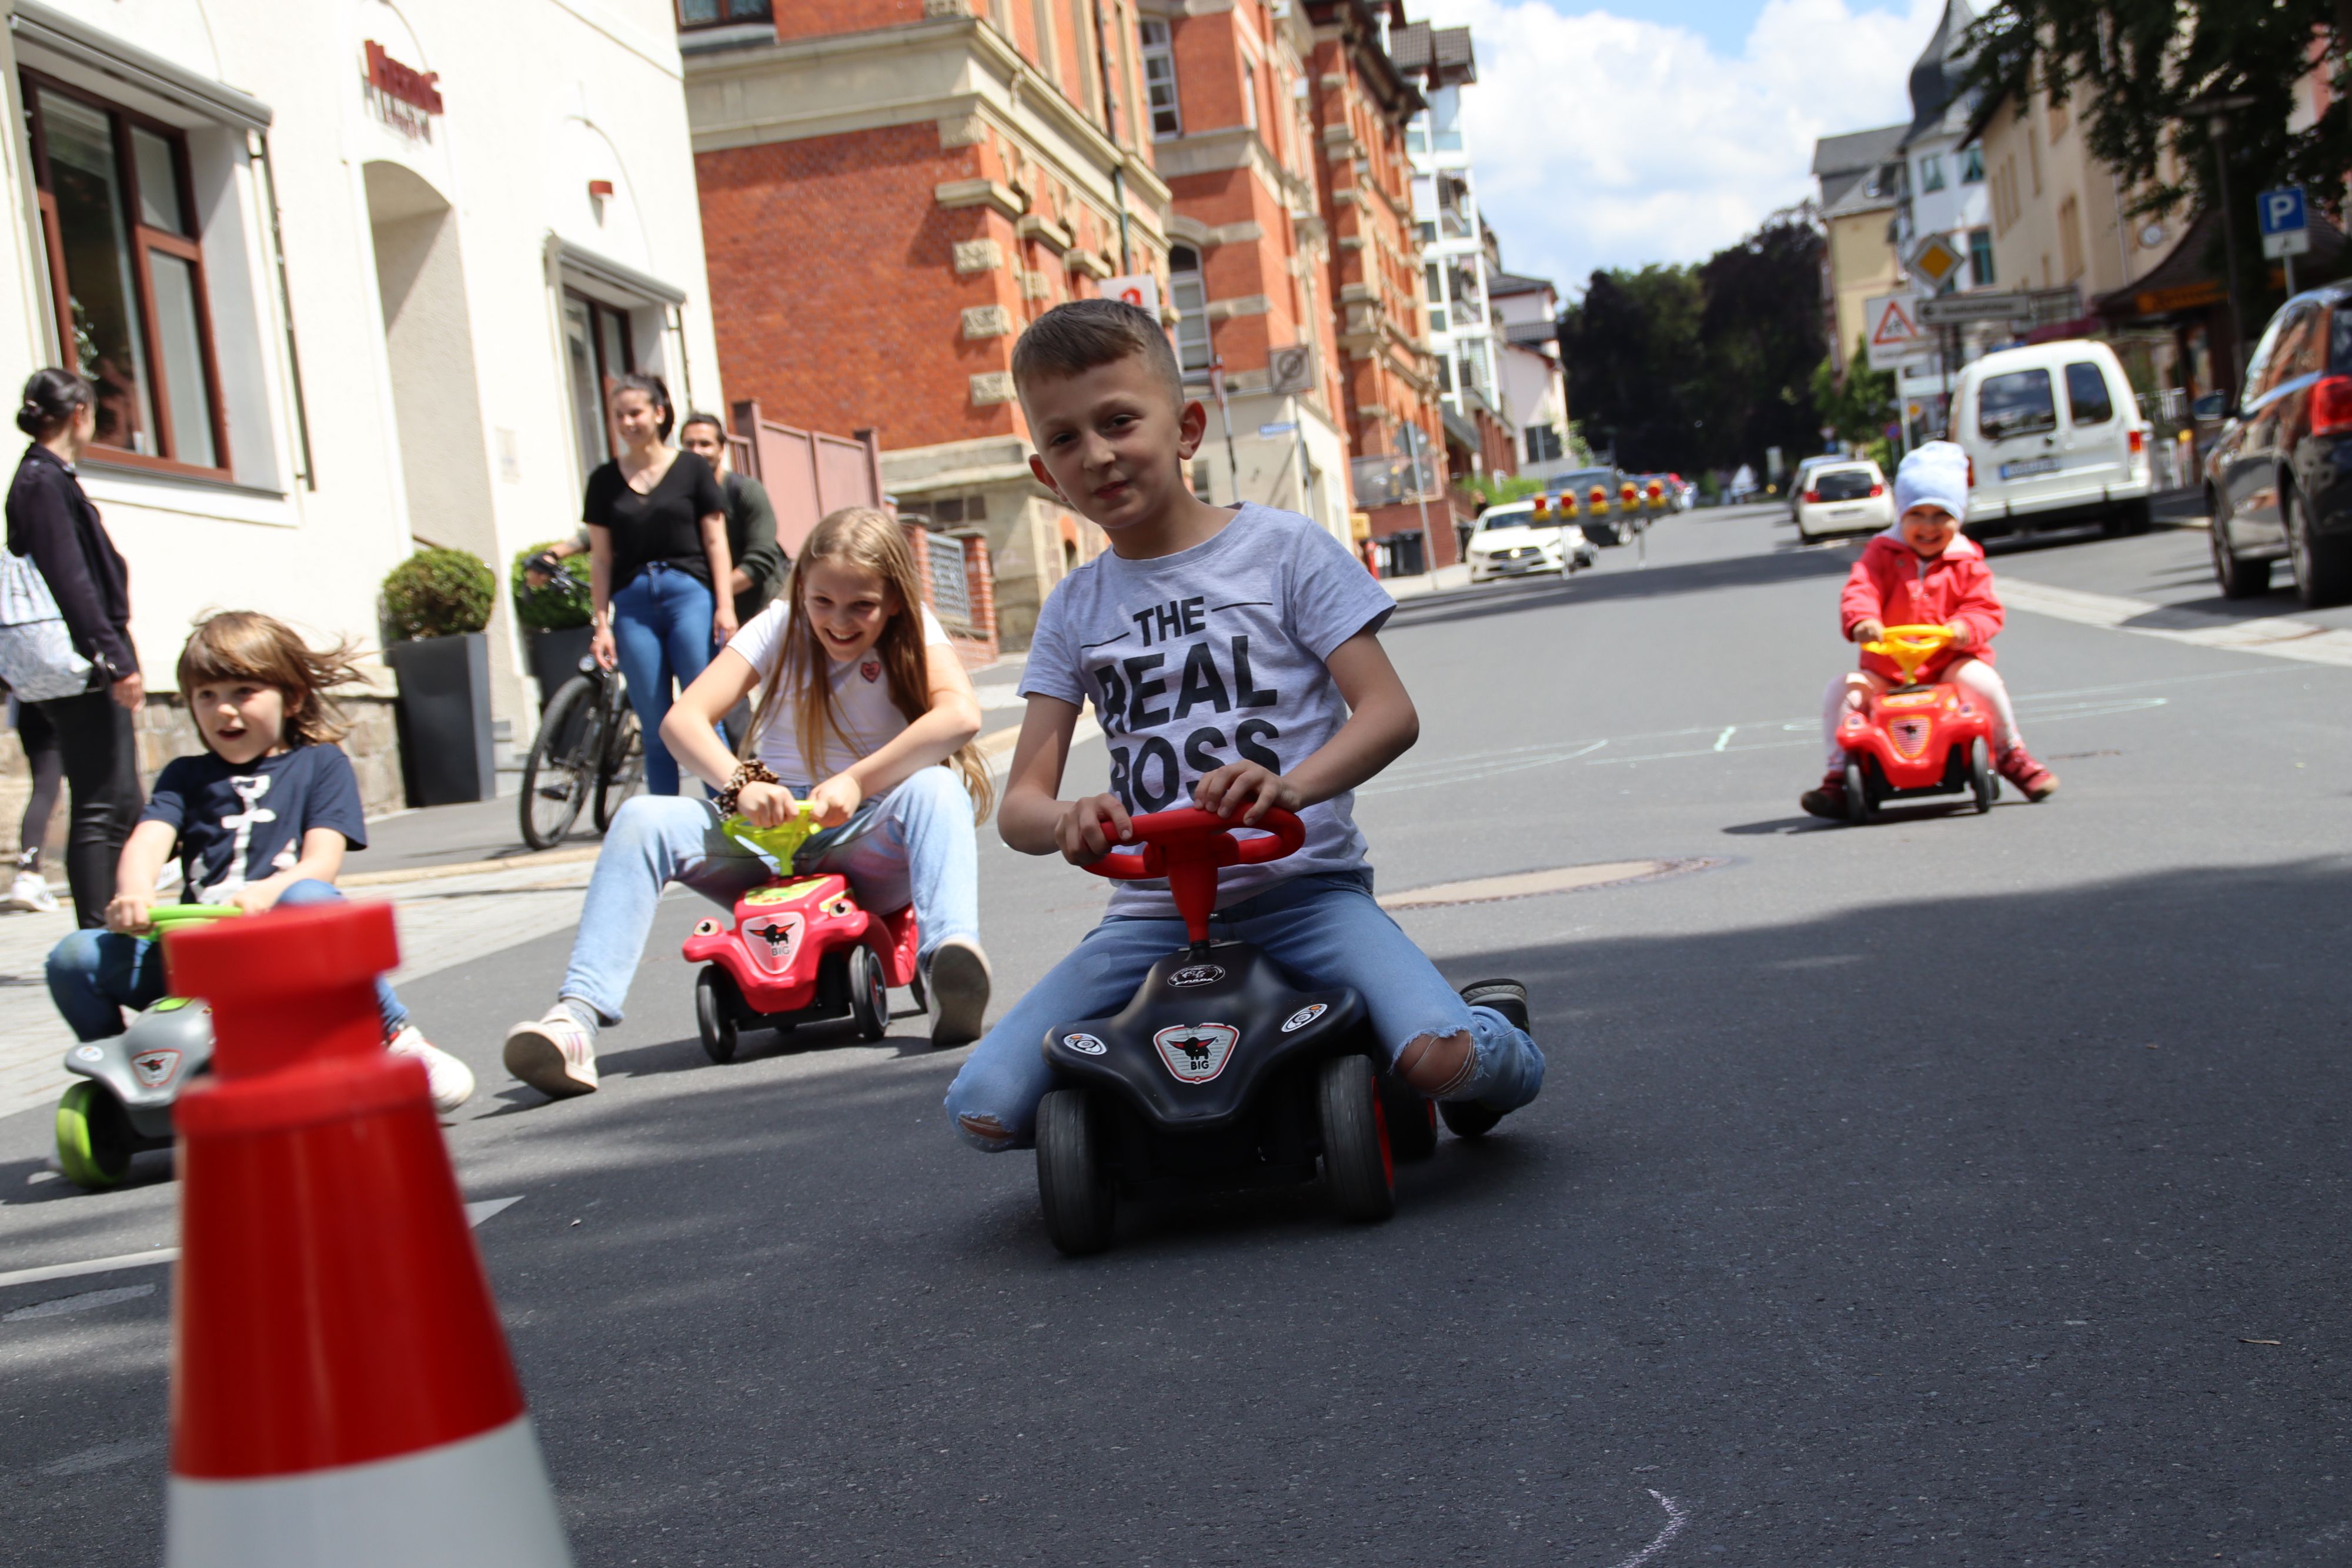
x,y
1444,580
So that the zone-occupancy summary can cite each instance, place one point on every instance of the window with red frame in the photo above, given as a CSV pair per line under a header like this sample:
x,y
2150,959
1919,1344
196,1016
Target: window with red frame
x,y
127,275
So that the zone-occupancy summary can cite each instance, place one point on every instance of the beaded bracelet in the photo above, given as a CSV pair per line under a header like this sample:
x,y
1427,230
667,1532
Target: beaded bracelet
x,y
750,771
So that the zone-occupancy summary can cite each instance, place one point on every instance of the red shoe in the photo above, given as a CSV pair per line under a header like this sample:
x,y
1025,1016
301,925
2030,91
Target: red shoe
x,y
2037,781
1829,798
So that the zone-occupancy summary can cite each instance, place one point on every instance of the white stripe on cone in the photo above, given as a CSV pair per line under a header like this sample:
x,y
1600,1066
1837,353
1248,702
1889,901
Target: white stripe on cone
x,y
484,1502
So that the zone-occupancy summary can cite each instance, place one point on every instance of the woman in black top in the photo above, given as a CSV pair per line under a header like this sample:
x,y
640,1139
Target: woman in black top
x,y
52,521
657,541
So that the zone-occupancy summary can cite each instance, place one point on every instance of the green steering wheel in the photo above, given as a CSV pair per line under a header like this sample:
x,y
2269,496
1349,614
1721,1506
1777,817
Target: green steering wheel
x,y
168,917
779,843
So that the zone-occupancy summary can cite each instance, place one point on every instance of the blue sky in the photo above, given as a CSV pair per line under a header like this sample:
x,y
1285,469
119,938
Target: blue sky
x,y
1612,136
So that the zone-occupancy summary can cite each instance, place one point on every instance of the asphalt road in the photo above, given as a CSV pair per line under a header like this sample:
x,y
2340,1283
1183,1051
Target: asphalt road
x,y
1956,1191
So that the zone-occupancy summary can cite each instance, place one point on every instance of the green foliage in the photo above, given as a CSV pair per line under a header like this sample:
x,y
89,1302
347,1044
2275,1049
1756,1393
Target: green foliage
x,y
549,611
1495,492
439,593
1859,407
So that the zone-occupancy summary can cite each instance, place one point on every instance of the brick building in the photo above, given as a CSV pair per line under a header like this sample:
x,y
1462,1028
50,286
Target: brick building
x,y
1362,104
1248,254
890,191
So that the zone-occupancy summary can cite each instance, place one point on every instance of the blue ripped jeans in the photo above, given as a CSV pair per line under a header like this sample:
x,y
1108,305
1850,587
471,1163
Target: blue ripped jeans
x,y
95,974
661,632
1325,929
913,845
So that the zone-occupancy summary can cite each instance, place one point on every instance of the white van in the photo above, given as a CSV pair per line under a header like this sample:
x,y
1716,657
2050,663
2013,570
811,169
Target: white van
x,y
2054,437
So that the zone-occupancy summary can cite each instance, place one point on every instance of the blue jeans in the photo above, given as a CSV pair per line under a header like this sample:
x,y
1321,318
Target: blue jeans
x,y
915,847
661,631
94,974
1325,929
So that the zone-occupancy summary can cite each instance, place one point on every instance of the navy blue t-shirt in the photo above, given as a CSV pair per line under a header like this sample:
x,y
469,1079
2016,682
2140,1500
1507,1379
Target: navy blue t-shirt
x,y
240,825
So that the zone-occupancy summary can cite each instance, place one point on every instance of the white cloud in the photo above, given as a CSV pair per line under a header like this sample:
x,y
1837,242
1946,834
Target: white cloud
x,y
1605,141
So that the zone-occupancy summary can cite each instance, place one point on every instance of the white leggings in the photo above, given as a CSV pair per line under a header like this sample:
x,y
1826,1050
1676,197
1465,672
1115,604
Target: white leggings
x,y
1974,676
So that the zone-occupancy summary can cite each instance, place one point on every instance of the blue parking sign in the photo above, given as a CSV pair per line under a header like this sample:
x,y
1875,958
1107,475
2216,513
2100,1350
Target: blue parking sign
x,y
2285,221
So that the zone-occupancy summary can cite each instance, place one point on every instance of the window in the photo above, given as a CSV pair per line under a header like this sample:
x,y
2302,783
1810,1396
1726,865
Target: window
x,y
2033,156
1931,171
2070,238
128,276
1445,119
2018,403
1980,258
2088,400
1435,281
1186,287
597,351
1159,80
1972,171
1543,443
956,509
721,12
2057,120
1249,95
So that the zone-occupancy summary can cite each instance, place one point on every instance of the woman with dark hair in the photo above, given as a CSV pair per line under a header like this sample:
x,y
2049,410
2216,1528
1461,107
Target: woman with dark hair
x,y
658,547
51,521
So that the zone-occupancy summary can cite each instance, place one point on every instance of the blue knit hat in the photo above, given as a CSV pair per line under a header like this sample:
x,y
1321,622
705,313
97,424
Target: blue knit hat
x,y
1935,475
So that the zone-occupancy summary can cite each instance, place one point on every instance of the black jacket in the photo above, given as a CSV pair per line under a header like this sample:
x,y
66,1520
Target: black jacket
x,y
51,520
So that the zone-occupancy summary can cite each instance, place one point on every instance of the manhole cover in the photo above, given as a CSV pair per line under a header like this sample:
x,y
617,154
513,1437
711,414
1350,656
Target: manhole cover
x,y
1534,884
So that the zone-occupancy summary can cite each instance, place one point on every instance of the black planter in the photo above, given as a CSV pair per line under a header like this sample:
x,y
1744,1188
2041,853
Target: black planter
x,y
445,718
555,658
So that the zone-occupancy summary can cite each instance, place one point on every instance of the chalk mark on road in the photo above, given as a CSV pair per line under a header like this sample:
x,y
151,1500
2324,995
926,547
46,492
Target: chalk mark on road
x,y
1675,1518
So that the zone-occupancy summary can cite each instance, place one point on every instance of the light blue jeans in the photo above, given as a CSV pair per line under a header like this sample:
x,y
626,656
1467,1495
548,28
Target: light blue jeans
x,y
95,974
661,631
915,847
1326,929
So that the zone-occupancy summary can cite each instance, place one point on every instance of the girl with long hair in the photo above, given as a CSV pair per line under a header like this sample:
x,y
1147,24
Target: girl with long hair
x,y
866,713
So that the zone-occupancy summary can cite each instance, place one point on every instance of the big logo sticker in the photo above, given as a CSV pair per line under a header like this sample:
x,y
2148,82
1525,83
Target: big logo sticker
x,y
1910,735
772,939
154,1068
1196,1052
1198,974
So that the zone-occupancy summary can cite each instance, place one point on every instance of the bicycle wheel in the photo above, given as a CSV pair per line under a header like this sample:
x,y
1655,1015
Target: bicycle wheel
x,y
557,775
622,769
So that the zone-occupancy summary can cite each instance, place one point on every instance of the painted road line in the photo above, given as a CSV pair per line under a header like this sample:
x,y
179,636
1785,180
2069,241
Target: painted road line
x,y
1675,1518
2276,635
476,1212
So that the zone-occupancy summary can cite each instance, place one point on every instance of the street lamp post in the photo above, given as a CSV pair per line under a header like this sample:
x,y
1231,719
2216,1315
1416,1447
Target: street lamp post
x,y
2217,112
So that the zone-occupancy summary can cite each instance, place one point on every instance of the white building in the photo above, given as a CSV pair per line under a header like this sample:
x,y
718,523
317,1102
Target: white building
x,y
1944,192
347,273
1456,265
1533,382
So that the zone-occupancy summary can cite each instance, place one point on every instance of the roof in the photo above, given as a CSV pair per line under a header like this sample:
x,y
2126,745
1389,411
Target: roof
x,y
1459,428
1937,75
1513,283
1856,151
1442,55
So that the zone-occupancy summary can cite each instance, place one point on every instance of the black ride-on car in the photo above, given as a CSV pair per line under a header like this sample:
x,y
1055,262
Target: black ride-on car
x,y
2279,479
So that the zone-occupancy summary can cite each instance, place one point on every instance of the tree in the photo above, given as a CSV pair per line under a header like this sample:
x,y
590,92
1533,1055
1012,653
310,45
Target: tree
x,y
1862,405
1761,337
1630,347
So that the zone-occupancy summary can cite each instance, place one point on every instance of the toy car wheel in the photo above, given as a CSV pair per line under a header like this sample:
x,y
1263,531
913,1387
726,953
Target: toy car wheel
x,y
715,1000
1857,791
869,998
1358,1165
94,1137
1982,783
1411,1119
1074,1178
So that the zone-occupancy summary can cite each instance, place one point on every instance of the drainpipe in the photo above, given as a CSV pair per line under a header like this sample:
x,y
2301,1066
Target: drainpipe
x,y
1110,122
285,307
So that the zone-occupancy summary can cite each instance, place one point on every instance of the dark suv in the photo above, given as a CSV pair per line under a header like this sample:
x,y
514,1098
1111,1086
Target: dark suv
x,y
2279,479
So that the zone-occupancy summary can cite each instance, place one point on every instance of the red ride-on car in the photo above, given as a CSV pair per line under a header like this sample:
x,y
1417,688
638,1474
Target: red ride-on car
x,y
1915,740
798,950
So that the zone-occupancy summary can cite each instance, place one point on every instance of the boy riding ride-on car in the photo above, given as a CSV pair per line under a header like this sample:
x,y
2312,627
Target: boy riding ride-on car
x,y
1925,572
1232,658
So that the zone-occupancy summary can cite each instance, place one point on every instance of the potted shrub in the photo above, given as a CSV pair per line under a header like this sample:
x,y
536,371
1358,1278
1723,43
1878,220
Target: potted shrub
x,y
436,604
557,617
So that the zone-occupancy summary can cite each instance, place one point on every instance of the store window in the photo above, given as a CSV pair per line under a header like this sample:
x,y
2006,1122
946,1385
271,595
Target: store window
x,y
598,351
1191,293
721,13
128,275
1159,80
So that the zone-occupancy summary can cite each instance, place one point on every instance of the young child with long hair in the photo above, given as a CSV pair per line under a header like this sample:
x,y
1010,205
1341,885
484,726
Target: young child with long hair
x,y
864,713
260,818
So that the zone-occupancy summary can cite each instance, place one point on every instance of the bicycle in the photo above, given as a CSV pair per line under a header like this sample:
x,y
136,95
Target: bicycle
x,y
588,747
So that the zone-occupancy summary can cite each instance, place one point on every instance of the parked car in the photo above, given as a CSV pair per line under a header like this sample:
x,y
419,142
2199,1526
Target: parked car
x,y
2054,438
1600,527
1683,493
1805,466
1845,497
1510,542
2278,481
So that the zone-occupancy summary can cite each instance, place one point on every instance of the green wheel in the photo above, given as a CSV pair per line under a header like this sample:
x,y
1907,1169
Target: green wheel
x,y
93,1137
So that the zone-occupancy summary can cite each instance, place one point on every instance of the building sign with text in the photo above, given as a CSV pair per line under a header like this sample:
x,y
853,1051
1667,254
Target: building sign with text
x,y
403,96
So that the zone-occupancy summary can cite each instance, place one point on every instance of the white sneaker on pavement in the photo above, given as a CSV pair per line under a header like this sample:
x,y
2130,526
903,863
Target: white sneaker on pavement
x,y
30,890
553,1054
959,992
450,1081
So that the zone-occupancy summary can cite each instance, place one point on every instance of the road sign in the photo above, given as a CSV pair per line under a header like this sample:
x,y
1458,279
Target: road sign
x,y
1290,369
2287,222
1956,309
1934,261
1142,291
1890,324
1284,428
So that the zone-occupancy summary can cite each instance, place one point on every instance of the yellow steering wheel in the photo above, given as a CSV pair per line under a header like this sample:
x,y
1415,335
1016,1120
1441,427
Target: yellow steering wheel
x,y
779,843
1910,646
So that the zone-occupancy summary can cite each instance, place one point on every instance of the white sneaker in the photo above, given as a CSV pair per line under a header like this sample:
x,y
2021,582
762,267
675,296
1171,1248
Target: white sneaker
x,y
30,892
450,1081
554,1055
959,992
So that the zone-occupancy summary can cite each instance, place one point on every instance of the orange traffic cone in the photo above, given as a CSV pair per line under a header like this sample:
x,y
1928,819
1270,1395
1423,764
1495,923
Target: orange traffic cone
x,y
341,1390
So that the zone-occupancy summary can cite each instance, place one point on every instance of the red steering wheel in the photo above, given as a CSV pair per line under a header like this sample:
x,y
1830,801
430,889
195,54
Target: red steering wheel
x,y
1190,846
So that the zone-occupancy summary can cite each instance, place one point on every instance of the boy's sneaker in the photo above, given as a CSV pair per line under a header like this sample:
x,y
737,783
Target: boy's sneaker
x,y
554,1055
958,987
450,1081
1475,1118
30,890
2037,781
1827,798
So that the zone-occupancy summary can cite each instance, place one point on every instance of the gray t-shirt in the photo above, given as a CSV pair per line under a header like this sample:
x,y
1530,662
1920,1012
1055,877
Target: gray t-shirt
x,y
1208,656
